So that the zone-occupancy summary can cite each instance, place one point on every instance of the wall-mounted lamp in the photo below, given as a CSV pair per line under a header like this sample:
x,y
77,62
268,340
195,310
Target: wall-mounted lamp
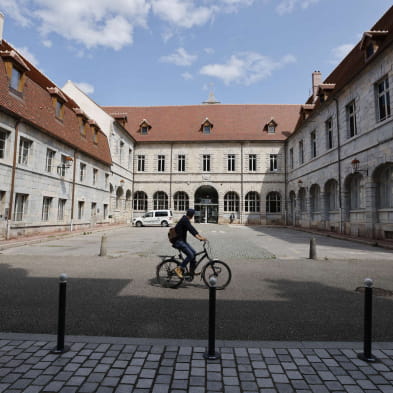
x,y
66,162
355,163
300,182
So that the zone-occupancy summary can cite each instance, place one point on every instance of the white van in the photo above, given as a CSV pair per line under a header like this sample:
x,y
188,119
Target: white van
x,y
163,218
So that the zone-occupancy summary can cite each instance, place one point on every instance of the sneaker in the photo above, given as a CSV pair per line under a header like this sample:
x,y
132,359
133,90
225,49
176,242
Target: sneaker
x,y
179,272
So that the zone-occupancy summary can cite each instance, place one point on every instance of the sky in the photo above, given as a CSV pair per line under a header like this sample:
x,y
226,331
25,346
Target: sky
x,y
175,52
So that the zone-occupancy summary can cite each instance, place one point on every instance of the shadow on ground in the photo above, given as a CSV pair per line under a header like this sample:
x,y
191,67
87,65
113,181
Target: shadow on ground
x,y
302,311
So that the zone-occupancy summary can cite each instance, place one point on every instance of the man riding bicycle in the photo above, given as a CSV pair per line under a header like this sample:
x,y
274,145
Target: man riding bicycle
x,y
180,242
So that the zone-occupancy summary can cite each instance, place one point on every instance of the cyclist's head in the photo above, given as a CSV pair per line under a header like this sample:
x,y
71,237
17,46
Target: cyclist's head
x,y
190,213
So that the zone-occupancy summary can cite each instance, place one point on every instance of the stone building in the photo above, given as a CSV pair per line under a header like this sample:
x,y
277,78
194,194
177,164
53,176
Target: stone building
x,y
340,155
227,161
54,160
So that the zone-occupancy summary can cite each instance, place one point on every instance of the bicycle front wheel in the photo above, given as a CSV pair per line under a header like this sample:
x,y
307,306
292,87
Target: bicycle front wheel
x,y
166,275
220,270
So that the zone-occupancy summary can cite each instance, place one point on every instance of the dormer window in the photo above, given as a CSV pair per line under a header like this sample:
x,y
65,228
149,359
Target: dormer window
x,y
121,118
271,126
144,127
372,41
16,70
82,118
58,101
206,127
94,129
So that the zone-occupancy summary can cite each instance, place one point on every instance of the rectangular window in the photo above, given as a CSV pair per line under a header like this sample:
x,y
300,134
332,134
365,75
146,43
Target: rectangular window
x,y
301,152
93,209
24,149
181,163
16,77
50,158
231,162
121,151
3,139
206,129
273,162
106,180
82,126
252,162
59,109
291,157
313,144
61,169
383,99
129,159
141,163
61,209
95,176
82,172
161,163
329,133
206,163
46,205
144,130
105,211
351,119
20,206
81,208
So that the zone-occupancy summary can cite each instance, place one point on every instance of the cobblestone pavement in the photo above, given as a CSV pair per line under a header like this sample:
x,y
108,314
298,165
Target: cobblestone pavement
x,y
113,365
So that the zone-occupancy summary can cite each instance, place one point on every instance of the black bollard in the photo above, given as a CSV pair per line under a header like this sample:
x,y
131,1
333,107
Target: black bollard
x,y
60,348
367,356
211,353
313,248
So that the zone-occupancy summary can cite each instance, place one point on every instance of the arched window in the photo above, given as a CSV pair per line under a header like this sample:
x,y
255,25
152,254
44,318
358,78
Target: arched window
x,y
181,201
355,191
315,195
385,188
252,203
160,200
302,199
128,199
331,195
273,202
140,201
119,194
231,202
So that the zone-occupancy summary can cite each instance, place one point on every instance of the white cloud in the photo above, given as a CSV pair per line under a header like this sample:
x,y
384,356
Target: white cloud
x,y
15,11
245,68
85,87
111,23
25,52
288,6
182,13
180,58
47,43
186,76
340,52
209,51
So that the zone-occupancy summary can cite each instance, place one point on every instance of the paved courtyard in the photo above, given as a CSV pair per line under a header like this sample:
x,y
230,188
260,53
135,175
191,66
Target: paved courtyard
x,y
276,292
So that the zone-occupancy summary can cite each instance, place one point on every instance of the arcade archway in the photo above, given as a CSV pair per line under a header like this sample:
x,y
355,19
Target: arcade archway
x,y
206,204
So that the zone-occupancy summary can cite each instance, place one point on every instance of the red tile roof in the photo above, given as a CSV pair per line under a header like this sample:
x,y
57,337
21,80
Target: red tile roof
x,y
230,122
36,108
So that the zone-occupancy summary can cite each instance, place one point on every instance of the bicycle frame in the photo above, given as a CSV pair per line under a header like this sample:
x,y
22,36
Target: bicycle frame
x,y
204,254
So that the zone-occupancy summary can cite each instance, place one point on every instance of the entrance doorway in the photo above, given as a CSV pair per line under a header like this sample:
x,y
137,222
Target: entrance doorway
x,y
206,205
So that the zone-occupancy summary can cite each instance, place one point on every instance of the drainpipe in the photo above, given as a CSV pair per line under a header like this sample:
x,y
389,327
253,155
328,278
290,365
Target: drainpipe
x,y
340,205
13,173
73,193
285,183
170,178
241,185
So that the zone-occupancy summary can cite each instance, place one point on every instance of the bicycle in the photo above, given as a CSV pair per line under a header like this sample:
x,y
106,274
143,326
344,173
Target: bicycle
x,y
166,276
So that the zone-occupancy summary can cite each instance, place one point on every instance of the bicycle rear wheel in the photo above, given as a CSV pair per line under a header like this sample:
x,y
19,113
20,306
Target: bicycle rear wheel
x,y
220,270
166,275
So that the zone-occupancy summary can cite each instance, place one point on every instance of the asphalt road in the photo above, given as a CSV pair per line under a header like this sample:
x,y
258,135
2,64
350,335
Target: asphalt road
x,y
276,292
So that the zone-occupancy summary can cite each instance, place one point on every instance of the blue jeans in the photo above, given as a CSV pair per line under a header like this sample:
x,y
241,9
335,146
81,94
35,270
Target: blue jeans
x,y
189,251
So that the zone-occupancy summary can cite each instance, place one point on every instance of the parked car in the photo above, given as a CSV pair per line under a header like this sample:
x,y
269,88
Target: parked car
x,y
155,217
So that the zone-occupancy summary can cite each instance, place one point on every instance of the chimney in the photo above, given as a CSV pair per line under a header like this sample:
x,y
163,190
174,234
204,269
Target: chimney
x,y
1,27
316,81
